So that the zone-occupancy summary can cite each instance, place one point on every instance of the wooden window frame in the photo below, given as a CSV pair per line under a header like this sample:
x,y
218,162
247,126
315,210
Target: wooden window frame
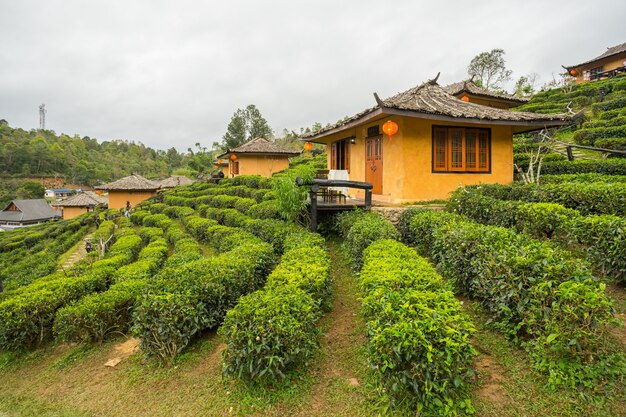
x,y
479,152
340,149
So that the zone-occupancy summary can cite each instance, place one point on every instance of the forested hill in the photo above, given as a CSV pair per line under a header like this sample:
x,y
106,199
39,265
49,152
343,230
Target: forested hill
x,y
38,153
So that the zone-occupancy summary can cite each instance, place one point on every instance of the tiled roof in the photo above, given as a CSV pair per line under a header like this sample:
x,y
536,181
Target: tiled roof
x,y
132,182
261,146
29,210
174,181
469,87
429,100
613,50
84,199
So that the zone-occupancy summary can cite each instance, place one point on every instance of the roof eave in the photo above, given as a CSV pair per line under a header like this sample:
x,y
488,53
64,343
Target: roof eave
x,y
374,113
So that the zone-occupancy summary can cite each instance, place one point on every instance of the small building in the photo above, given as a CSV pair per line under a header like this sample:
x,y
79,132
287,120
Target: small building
x,y
20,213
133,189
442,142
59,192
608,64
81,203
175,181
259,156
470,92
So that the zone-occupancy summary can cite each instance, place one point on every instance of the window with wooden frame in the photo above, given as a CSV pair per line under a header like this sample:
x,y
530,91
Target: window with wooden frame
x,y
235,165
461,149
340,155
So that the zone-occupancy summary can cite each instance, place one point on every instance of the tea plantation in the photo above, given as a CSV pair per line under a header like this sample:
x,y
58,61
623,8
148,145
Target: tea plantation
x,y
233,307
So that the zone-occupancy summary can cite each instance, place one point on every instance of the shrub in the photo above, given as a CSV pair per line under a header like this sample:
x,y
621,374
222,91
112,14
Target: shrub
x,y
264,210
269,230
518,281
95,316
269,333
418,337
608,166
365,230
543,220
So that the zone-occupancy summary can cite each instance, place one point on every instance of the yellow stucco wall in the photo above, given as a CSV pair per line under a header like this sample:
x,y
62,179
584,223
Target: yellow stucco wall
x,y
260,164
118,199
71,212
407,161
610,63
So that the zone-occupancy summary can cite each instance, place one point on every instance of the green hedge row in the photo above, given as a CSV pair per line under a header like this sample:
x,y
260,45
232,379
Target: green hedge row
x,y
586,177
615,166
362,229
418,337
539,296
601,238
273,331
188,298
588,198
26,317
589,137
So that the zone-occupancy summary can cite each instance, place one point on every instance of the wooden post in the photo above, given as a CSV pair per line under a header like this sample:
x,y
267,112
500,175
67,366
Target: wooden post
x,y
313,195
570,154
368,198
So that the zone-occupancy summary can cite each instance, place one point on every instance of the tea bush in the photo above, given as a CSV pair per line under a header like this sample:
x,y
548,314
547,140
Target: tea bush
x,y
418,338
520,282
365,230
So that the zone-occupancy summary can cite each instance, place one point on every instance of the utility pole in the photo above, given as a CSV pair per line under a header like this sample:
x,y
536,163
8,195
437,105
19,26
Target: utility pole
x,y
42,117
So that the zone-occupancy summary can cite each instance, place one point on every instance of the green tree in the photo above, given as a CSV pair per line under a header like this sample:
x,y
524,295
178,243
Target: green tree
x,y
246,124
488,69
525,85
30,189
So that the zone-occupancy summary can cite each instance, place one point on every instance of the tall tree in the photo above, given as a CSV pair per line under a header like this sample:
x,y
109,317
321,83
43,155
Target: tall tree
x,y
526,84
488,69
246,124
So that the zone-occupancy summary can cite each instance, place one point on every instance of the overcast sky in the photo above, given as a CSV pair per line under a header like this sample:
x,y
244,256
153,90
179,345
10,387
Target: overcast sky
x,y
172,73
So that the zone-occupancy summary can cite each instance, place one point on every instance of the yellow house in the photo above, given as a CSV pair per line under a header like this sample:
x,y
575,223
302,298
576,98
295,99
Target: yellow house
x,y
442,142
260,156
80,203
610,63
133,189
468,91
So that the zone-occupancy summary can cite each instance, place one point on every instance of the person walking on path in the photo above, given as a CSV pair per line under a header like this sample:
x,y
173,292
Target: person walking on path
x,y
127,212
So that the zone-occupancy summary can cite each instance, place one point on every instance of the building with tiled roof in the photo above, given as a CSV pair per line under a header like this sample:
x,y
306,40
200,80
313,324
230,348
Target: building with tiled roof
x,y
19,213
259,156
442,142
611,62
129,190
81,203
175,181
468,91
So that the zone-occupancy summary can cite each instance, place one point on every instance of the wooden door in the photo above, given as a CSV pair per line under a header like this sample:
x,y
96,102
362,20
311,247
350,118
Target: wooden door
x,y
374,163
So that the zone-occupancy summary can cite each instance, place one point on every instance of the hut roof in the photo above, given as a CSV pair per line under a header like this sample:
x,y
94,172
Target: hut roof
x,y
468,86
430,101
28,210
84,199
174,181
261,146
132,182
613,50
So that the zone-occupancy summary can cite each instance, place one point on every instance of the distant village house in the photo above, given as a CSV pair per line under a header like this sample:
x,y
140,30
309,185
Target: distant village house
x,y
260,156
470,92
80,203
608,64
20,213
133,189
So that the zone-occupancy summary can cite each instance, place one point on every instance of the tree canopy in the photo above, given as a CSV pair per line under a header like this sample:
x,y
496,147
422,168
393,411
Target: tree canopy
x,y
488,69
245,125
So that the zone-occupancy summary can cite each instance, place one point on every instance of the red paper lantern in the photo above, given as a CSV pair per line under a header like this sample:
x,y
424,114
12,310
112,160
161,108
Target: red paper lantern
x,y
308,146
233,157
390,128
465,98
573,72
219,161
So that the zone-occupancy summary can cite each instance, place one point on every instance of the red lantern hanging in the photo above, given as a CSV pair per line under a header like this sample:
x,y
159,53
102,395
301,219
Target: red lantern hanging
x,y
390,128
219,162
465,98
233,157
573,72
308,146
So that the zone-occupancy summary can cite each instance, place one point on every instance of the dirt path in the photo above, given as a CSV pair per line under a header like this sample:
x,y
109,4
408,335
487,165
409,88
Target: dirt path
x,y
339,375
78,253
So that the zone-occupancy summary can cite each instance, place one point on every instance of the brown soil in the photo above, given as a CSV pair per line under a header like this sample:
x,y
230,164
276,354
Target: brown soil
x,y
491,379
